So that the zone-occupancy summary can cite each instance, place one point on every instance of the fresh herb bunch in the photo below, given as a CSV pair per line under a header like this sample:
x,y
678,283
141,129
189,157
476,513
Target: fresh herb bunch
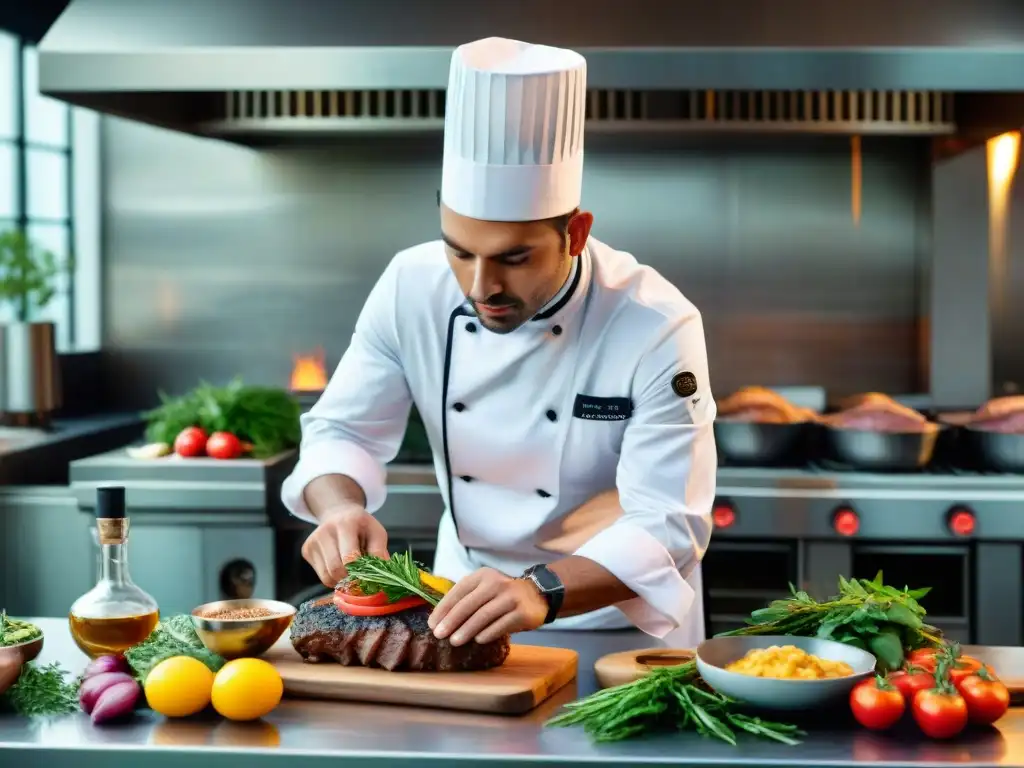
x,y
266,417
396,577
174,636
667,697
868,614
42,691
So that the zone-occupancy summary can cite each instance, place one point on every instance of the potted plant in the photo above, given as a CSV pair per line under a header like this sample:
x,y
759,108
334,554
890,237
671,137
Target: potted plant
x,y
29,380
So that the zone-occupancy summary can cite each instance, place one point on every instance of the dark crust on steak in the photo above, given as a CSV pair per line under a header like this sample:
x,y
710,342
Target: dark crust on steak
x,y
401,641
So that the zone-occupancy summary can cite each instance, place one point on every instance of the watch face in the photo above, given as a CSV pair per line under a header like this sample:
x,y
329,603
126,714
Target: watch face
x,y
547,580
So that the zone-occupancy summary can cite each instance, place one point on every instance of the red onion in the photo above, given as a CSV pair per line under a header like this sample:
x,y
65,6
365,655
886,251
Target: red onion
x,y
107,664
116,701
93,687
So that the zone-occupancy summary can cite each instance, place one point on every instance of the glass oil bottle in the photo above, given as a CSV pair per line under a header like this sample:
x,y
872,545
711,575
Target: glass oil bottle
x,y
115,614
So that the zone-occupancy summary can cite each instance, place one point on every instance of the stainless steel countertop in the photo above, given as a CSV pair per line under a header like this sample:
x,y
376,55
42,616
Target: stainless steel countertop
x,y
374,735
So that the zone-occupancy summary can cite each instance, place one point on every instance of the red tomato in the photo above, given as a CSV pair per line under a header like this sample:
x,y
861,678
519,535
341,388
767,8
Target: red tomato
x,y
190,442
223,445
351,594
940,712
925,658
876,704
910,681
378,610
964,666
987,699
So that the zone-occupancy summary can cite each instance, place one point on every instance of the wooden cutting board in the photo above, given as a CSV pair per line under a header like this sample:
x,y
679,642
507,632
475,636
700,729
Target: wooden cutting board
x,y
529,676
627,666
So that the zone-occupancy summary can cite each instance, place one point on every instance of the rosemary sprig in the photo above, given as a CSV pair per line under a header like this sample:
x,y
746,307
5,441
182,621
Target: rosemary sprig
x,y
668,696
396,577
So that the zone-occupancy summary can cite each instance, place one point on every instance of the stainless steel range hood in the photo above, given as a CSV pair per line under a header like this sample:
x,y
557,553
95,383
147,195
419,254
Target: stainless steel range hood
x,y
248,69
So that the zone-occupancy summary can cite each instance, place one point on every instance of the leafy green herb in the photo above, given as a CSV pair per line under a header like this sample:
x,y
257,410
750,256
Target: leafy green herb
x,y
266,417
396,577
667,697
174,636
42,691
867,614
16,631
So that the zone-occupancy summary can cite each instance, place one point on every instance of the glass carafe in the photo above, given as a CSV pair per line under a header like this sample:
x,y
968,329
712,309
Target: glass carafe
x,y
115,614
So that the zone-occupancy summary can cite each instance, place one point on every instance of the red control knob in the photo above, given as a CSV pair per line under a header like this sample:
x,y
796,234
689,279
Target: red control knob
x,y
846,522
961,521
723,515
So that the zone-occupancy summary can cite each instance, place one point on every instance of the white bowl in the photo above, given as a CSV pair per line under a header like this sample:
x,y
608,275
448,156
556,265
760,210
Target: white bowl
x,y
714,655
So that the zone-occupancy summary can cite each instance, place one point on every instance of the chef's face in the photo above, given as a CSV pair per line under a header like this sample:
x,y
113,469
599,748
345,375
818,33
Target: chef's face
x,y
509,270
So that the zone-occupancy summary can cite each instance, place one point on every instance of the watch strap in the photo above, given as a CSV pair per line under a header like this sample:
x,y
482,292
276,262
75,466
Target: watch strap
x,y
551,588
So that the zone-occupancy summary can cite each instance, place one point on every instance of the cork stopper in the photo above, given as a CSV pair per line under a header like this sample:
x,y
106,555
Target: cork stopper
x,y
111,521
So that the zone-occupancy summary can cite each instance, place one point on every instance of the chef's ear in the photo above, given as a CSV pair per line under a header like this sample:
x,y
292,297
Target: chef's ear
x,y
579,231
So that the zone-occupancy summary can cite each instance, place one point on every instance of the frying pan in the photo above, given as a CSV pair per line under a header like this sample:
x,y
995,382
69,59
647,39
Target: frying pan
x,y
879,451
999,451
760,444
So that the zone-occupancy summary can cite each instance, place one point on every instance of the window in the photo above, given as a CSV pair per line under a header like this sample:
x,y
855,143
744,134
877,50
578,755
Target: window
x,y
49,187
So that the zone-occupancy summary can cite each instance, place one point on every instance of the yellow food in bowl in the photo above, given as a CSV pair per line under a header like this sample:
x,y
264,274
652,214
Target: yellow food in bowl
x,y
787,662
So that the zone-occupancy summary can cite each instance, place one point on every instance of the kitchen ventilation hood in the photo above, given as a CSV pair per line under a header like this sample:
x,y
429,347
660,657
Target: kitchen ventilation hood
x,y
253,70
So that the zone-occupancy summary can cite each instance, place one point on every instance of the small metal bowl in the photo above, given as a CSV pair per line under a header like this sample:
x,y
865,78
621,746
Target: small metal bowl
x,y
30,649
245,637
714,655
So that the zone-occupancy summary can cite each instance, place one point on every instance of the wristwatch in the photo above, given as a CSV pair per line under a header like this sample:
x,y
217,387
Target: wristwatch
x,y
550,587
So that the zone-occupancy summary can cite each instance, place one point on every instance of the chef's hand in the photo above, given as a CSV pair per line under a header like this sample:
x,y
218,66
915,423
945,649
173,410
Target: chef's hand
x,y
486,605
343,534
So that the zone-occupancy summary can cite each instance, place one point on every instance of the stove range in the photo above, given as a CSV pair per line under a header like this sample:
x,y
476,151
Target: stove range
x,y
832,503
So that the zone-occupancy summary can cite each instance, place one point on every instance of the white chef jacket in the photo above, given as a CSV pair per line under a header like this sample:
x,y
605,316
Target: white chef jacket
x,y
606,387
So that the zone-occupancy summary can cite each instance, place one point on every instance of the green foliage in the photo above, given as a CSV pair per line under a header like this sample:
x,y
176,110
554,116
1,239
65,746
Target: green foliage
x,y
28,274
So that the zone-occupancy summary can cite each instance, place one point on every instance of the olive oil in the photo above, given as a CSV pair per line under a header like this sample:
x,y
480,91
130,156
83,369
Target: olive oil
x,y
115,614
111,636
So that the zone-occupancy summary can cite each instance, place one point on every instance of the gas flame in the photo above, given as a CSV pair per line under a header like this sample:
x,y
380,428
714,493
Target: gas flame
x,y
1002,158
309,374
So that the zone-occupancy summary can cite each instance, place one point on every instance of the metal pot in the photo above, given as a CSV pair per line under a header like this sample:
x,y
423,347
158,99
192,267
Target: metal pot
x,y
759,444
999,451
29,374
879,451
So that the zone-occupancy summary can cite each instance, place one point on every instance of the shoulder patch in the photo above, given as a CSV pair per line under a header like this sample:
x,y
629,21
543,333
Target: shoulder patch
x,y
684,384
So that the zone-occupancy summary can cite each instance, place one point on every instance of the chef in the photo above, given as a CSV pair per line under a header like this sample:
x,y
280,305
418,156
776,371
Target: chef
x,y
563,386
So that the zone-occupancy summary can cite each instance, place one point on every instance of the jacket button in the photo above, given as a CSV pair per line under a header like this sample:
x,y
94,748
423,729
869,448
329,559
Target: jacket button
x,y
552,416
543,494
471,327
557,330
466,479
459,407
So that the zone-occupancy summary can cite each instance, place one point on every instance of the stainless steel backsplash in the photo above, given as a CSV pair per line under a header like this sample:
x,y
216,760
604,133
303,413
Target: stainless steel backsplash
x,y
224,260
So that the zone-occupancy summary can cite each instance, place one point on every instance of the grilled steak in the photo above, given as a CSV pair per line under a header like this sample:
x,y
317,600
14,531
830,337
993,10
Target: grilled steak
x,y
401,641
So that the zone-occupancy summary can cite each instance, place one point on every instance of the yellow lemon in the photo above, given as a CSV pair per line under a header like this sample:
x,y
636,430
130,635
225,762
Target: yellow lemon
x,y
179,686
246,689
439,584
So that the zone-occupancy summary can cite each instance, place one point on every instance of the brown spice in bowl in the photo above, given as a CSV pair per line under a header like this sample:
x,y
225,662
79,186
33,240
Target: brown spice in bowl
x,y
228,614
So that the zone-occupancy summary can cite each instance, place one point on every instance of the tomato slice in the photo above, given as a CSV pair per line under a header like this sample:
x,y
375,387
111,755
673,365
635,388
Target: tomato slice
x,y
354,596
353,609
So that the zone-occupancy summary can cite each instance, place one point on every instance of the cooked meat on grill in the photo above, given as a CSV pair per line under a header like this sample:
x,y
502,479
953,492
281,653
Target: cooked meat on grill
x,y
399,641
876,412
761,405
1001,414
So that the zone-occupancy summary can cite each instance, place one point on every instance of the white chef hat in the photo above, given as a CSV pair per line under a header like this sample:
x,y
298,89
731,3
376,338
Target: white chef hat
x,y
513,134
